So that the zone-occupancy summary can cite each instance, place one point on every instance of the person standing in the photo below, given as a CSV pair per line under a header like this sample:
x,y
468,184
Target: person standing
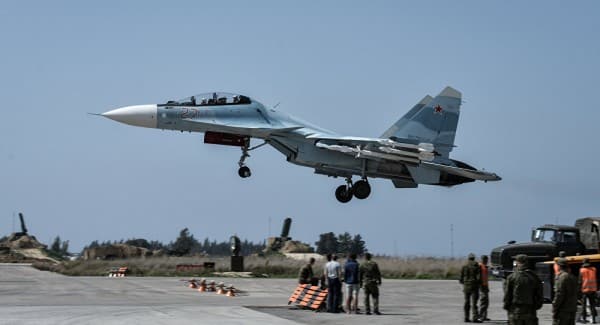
x,y
333,272
484,295
470,278
588,287
351,278
523,294
556,267
564,305
306,275
370,279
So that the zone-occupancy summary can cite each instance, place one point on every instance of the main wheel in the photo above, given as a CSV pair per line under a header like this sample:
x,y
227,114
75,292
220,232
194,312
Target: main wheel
x,y
244,172
361,189
343,193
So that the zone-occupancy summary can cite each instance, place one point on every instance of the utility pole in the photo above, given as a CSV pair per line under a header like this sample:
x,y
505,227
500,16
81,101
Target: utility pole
x,y
452,241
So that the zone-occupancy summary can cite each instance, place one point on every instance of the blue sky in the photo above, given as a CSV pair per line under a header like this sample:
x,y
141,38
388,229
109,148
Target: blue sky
x,y
528,71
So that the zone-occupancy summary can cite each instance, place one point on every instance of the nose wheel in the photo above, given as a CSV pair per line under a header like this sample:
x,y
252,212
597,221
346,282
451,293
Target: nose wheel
x,y
244,172
361,190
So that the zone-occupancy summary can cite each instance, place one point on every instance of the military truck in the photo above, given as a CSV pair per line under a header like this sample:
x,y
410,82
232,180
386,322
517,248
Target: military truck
x,y
546,242
545,270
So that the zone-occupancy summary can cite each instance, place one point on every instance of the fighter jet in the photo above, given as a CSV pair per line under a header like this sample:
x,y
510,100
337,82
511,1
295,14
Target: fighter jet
x,y
414,150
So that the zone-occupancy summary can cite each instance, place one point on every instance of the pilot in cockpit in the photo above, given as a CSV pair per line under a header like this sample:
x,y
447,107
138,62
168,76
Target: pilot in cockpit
x,y
203,101
236,99
193,100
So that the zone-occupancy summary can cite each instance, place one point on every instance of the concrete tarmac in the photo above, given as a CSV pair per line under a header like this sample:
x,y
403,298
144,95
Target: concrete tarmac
x,y
29,296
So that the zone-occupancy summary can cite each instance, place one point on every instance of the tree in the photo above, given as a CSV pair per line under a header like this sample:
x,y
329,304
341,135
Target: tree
x,y
184,244
64,248
55,247
327,243
344,243
358,246
59,247
138,242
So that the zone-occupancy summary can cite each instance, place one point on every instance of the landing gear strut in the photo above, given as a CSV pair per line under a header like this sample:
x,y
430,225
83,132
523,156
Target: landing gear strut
x,y
361,190
244,170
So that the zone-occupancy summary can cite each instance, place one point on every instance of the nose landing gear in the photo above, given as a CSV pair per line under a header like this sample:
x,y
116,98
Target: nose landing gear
x,y
361,190
244,170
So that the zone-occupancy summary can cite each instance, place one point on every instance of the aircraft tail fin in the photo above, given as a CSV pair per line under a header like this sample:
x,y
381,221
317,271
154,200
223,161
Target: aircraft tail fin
x,y
432,120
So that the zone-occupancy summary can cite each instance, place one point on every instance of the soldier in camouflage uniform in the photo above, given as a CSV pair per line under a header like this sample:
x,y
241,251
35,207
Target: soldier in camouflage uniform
x,y
306,275
564,305
523,294
470,278
370,279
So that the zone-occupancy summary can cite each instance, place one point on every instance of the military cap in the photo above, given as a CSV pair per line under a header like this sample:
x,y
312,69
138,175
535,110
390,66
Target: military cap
x,y
471,256
561,261
521,258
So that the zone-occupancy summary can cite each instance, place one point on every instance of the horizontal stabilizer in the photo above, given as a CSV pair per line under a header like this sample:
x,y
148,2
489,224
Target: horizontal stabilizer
x,y
468,173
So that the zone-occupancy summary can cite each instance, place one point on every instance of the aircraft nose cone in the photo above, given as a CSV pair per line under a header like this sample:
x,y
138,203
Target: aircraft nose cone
x,y
138,115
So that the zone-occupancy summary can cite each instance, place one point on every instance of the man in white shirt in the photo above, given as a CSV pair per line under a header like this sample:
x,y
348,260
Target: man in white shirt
x,y
333,272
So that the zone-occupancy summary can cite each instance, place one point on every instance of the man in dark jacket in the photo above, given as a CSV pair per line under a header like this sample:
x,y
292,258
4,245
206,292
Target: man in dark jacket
x,y
523,294
352,279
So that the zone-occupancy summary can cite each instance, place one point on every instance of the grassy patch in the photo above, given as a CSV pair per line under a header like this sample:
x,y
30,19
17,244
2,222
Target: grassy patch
x,y
272,266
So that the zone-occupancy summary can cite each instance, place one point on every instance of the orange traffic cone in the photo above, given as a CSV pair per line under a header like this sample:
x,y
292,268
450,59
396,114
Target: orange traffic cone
x,y
202,285
211,286
231,292
221,290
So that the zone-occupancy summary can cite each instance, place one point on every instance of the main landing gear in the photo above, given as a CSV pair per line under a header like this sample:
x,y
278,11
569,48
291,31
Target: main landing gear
x,y
244,170
361,190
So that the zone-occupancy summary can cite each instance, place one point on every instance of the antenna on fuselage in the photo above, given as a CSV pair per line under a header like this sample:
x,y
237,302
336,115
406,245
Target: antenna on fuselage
x,y
277,105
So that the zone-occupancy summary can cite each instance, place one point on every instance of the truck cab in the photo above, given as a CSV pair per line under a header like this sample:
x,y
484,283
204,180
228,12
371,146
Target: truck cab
x,y
546,242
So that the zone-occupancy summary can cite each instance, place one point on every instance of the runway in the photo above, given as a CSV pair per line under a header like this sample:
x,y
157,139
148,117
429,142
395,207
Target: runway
x,y
29,296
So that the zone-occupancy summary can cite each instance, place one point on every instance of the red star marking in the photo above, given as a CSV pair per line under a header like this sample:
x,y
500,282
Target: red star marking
x,y
438,109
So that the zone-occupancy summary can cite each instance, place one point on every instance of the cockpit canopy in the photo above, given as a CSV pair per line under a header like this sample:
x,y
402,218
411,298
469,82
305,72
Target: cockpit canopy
x,y
211,99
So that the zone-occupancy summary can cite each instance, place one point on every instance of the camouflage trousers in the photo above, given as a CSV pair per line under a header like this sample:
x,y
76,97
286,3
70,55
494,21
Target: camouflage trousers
x,y
521,320
522,315
471,298
371,289
564,318
484,301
